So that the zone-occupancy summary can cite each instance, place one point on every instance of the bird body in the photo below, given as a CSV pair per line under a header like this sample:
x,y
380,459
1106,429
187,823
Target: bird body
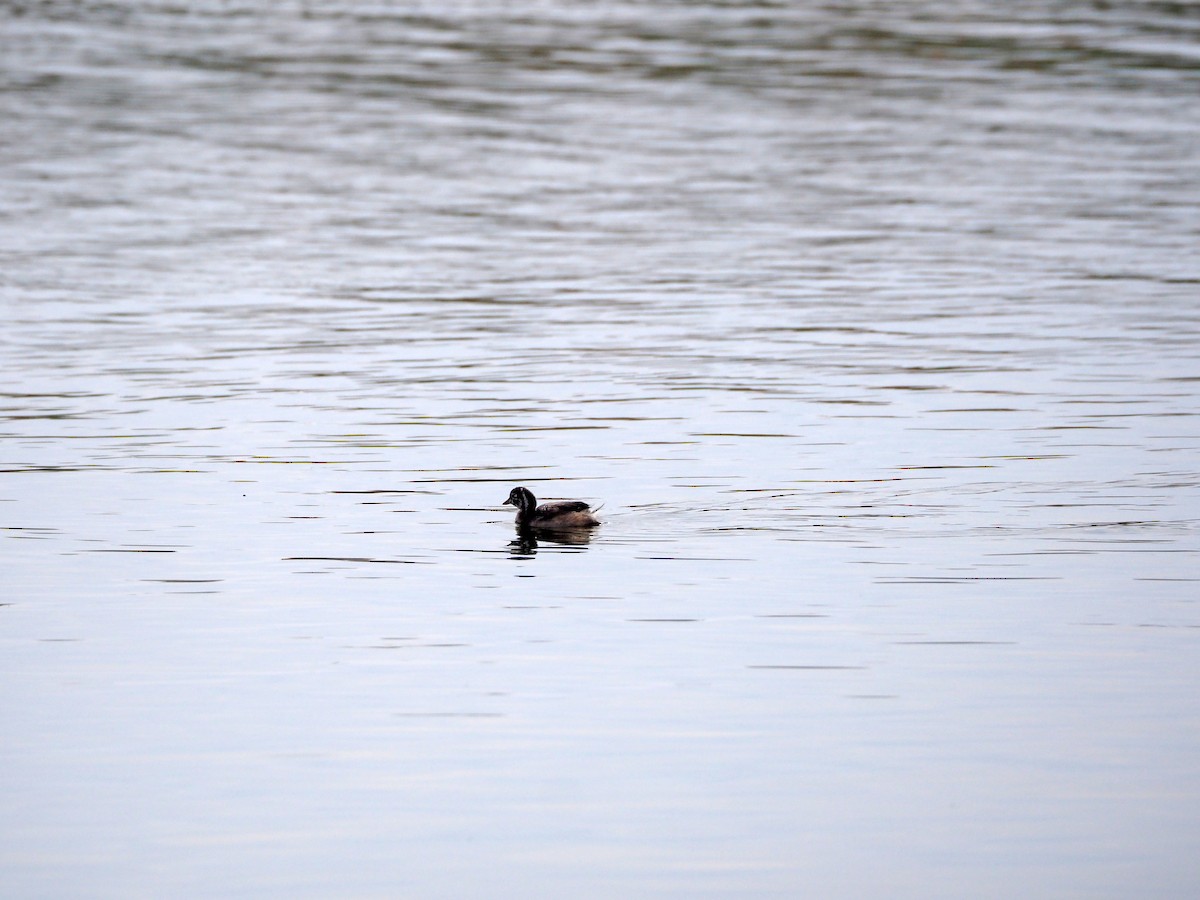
x,y
556,514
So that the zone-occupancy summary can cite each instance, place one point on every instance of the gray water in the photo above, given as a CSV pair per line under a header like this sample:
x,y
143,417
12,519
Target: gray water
x,y
874,327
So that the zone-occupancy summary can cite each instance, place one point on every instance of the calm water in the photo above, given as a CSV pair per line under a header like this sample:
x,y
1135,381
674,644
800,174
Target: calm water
x,y
875,327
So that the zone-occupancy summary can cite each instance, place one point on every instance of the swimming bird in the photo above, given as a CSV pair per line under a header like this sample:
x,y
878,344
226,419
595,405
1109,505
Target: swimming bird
x,y
558,514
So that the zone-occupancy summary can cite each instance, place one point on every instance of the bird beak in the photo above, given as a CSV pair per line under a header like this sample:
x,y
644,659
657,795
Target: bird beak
x,y
507,502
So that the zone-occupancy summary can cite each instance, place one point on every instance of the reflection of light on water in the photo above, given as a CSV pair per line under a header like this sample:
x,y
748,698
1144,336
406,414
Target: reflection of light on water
x,y
875,325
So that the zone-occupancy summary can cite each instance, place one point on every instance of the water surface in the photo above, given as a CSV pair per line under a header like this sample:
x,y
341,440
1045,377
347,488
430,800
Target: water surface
x,y
874,328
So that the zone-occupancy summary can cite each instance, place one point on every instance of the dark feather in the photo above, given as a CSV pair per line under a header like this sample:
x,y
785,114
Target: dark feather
x,y
560,507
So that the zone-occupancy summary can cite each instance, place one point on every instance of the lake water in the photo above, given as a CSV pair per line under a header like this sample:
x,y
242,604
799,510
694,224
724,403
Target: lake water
x,y
874,327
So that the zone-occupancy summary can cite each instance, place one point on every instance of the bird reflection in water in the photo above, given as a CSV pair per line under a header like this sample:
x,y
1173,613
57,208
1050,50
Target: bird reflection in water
x,y
564,522
525,544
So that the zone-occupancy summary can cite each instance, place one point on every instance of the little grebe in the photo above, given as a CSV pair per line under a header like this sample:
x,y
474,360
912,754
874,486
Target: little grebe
x,y
558,514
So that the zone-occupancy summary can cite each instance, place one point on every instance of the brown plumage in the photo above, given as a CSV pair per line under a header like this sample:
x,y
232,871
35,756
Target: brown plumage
x,y
557,514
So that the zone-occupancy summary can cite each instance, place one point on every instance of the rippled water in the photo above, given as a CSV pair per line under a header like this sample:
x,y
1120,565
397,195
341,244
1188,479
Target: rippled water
x,y
874,327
